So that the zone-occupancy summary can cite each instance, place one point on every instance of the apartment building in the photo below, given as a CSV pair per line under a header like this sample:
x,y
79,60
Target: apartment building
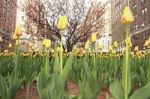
x,y
7,20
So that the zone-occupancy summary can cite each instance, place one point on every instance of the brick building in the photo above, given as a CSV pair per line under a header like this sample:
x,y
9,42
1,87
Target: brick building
x,y
140,29
118,30
7,20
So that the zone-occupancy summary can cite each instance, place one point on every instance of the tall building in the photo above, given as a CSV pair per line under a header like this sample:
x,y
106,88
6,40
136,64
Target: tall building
x,y
139,30
106,39
7,20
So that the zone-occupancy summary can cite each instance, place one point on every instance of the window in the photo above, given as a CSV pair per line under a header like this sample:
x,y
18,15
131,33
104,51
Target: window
x,y
142,2
143,24
144,11
22,9
135,27
144,35
134,6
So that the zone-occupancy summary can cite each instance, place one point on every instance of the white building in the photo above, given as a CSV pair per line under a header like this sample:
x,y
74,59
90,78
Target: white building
x,y
106,38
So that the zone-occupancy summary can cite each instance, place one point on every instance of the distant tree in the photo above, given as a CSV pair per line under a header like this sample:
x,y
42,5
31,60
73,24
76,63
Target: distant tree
x,y
84,18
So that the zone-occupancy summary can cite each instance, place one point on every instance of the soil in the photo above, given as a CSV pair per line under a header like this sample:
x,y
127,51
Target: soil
x,y
73,89
33,94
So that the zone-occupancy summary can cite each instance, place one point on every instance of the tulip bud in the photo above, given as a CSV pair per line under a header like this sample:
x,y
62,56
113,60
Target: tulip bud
x,y
110,48
146,43
62,23
10,46
101,46
115,44
18,42
15,37
18,31
128,41
136,48
94,38
127,17
87,45
47,43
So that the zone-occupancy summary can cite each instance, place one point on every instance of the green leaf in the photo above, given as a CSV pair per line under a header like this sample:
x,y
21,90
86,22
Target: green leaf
x,y
67,67
116,90
143,93
4,88
148,70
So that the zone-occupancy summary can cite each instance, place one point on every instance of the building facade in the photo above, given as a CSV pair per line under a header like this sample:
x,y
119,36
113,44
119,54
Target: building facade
x,y
7,20
106,38
139,30
118,30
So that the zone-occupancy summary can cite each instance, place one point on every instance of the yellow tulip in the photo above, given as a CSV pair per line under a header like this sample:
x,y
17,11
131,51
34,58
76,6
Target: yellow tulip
x,y
110,48
18,31
62,23
15,37
87,45
149,41
127,17
101,46
10,45
60,49
18,42
128,41
146,44
94,37
47,43
115,44
136,48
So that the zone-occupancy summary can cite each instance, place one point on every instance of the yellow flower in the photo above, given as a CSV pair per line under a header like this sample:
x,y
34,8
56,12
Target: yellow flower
x,y
136,48
62,23
115,44
18,42
10,46
128,41
127,17
30,44
101,46
60,49
5,51
149,41
87,45
18,31
94,38
146,44
110,48
47,43
15,37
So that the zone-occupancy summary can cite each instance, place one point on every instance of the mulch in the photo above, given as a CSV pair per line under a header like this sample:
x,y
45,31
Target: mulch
x,y
73,89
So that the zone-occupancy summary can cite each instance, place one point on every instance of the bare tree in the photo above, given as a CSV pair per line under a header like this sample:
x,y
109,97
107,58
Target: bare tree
x,y
84,18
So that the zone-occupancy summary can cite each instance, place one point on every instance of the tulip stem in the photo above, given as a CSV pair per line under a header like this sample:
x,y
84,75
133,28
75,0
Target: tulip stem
x,y
47,63
61,56
126,63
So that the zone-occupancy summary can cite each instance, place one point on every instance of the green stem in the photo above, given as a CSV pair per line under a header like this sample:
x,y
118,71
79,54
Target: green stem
x,y
47,63
126,63
94,63
61,56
